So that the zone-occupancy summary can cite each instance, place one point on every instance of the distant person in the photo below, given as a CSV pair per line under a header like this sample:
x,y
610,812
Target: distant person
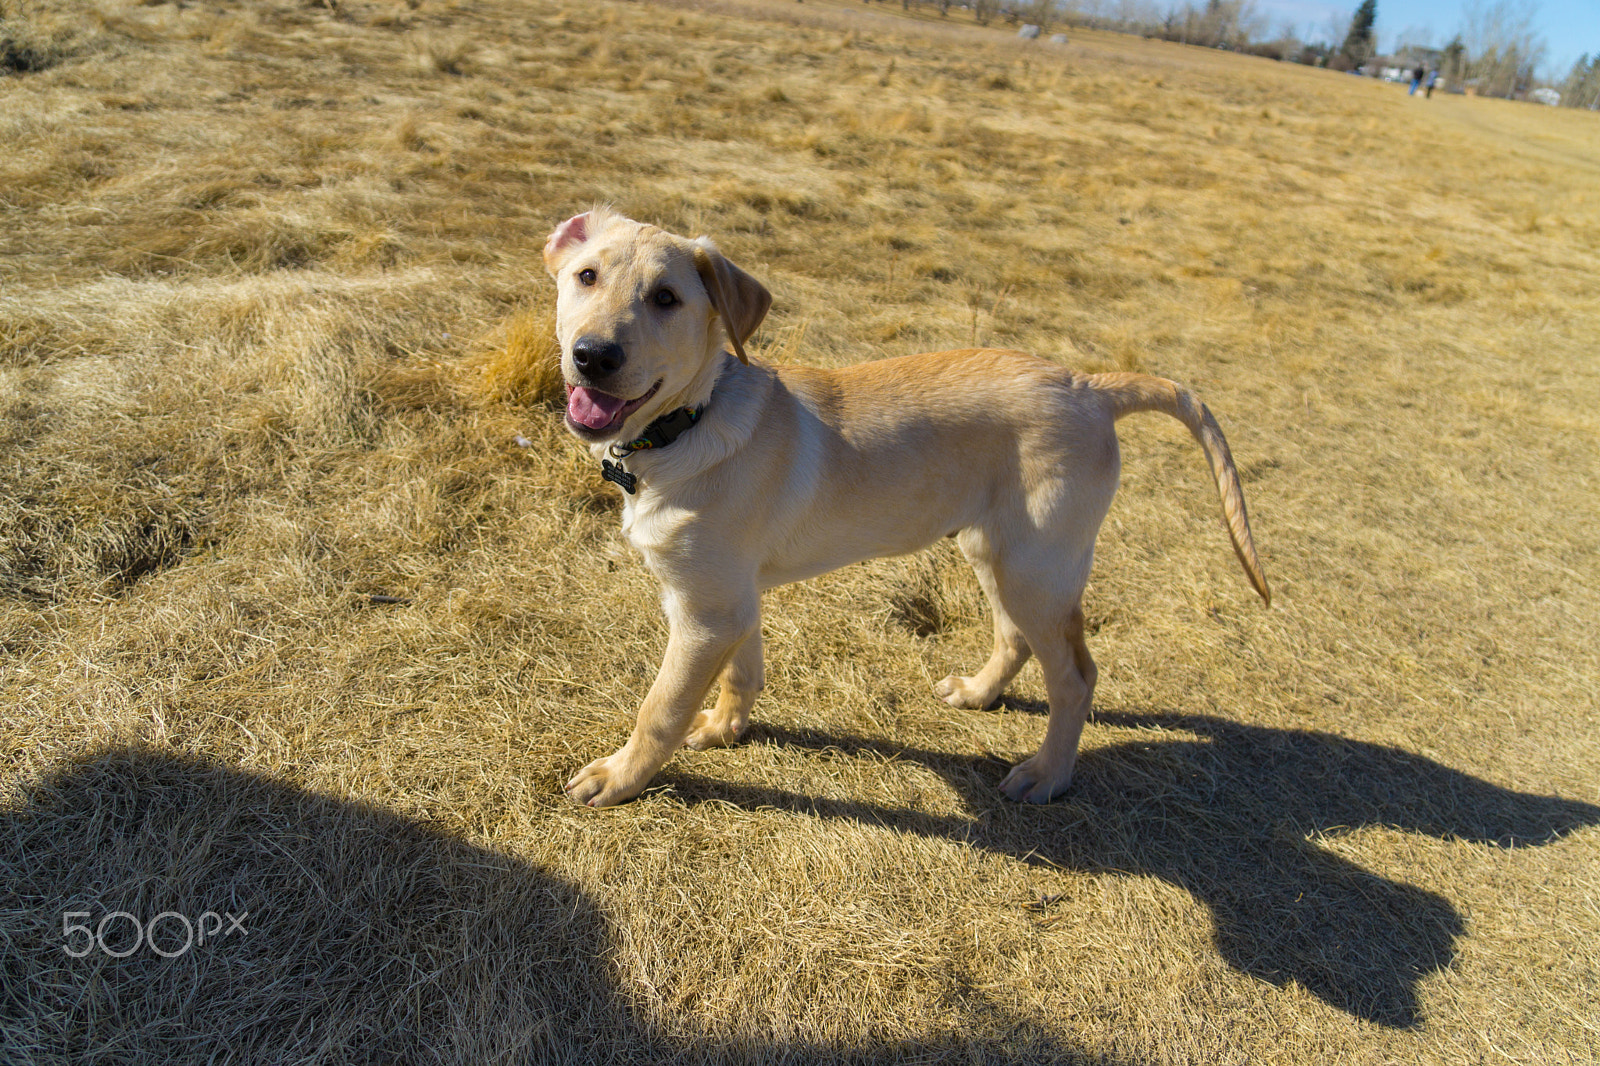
x,y
1433,79
1416,79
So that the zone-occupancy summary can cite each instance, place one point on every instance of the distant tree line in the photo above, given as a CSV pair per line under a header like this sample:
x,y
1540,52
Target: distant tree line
x,y
1496,53
1233,24
1037,12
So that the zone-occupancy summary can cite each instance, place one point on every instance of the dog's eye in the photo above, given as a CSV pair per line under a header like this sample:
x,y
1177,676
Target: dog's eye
x,y
665,297
587,275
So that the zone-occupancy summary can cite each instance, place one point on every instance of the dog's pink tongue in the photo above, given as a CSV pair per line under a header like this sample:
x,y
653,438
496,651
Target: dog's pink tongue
x,y
593,409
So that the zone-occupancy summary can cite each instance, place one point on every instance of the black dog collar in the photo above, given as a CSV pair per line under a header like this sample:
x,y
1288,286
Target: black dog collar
x,y
658,434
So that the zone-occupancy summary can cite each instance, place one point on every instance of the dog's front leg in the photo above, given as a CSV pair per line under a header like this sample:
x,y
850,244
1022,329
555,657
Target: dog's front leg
x,y
701,640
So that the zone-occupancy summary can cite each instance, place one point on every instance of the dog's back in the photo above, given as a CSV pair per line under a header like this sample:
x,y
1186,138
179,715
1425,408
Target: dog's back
x,y
994,436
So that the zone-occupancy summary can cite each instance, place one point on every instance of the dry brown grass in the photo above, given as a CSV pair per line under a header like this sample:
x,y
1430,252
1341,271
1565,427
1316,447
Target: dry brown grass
x,y
308,606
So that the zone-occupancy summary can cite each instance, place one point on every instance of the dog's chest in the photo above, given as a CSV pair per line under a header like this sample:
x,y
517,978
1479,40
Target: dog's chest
x,y
654,527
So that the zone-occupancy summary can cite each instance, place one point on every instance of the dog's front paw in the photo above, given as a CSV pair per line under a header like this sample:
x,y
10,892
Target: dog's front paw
x,y
963,692
1031,781
607,782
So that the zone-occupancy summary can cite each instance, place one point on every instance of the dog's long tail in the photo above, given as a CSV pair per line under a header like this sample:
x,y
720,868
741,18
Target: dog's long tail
x,y
1128,393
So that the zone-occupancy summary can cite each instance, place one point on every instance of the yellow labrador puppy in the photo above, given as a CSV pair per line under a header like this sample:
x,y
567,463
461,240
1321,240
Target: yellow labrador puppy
x,y
738,477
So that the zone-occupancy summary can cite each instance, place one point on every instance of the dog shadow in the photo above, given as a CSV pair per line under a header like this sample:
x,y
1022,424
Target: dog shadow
x,y
158,908
1232,814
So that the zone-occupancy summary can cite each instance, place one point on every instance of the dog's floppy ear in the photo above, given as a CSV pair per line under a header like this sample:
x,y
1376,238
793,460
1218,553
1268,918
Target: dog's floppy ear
x,y
571,233
740,300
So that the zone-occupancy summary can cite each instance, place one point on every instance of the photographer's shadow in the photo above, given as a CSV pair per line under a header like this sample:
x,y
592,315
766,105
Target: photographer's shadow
x,y
351,934
156,907
1232,814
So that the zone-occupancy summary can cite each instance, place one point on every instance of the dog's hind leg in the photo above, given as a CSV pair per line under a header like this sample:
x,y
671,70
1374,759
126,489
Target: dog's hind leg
x,y
1048,608
1010,648
1069,674
741,681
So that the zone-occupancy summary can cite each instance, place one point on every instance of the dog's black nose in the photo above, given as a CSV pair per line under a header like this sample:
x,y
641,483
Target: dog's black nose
x,y
595,358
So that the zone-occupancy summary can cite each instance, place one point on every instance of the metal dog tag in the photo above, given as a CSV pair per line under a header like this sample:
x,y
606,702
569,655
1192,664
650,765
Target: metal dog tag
x,y
613,472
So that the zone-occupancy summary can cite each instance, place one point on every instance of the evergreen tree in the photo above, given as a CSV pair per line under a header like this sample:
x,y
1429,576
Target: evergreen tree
x,y
1358,43
1453,64
1582,87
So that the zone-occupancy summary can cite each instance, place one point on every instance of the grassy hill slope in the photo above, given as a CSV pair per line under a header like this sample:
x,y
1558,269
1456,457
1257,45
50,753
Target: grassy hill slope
x,y
308,605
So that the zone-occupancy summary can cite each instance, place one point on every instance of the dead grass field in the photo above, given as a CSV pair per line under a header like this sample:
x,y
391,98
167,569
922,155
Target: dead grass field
x,y
291,623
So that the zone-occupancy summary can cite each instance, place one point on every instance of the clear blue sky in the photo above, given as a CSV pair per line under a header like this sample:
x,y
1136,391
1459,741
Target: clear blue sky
x,y
1569,27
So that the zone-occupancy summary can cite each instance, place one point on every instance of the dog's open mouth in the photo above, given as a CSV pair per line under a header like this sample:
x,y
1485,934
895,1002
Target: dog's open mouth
x,y
595,413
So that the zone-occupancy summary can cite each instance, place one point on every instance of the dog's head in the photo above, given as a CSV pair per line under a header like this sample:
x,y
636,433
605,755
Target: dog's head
x,y
642,316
